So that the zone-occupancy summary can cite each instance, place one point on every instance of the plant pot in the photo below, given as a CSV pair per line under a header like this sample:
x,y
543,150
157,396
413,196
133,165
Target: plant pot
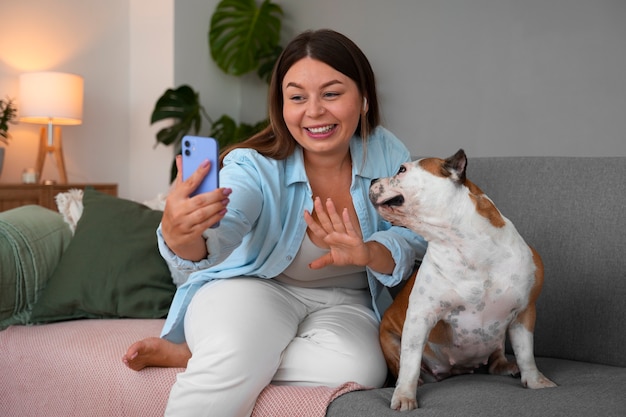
x,y
1,158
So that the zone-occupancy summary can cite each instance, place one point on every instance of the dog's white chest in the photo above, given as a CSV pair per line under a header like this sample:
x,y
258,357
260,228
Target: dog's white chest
x,y
476,305
479,328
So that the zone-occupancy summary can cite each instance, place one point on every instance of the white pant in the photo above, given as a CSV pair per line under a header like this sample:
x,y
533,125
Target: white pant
x,y
247,332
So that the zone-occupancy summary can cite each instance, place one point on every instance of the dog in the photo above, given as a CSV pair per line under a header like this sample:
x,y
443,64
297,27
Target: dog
x,y
478,281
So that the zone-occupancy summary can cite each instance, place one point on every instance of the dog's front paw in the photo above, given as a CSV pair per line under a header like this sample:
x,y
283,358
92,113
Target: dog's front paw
x,y
403,401
537,381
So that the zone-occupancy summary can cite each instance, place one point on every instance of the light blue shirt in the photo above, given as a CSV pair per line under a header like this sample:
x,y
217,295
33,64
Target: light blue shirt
x,y
264,225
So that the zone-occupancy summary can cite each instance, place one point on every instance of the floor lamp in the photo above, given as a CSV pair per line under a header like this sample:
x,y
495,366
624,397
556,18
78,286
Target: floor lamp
x,y
52,99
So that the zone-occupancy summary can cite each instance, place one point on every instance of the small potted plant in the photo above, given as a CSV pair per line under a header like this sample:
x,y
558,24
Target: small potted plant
x,y
8,114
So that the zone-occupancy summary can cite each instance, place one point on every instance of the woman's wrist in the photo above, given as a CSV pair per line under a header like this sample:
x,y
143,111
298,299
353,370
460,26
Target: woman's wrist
x,y
380,258
192,251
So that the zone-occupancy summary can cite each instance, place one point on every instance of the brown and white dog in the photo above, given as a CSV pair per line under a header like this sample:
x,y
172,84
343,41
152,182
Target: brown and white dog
x,y
478,280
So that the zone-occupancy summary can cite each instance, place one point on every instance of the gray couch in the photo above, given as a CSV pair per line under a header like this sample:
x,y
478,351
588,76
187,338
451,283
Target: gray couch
x,y
570,209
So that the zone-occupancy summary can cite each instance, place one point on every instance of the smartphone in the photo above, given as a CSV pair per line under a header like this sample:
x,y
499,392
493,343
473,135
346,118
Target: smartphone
x,y
195,150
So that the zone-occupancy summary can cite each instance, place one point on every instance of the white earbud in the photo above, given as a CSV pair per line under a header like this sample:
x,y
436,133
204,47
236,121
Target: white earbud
x,y
364,103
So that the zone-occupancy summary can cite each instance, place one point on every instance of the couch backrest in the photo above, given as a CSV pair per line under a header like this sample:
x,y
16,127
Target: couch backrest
x,y
572,210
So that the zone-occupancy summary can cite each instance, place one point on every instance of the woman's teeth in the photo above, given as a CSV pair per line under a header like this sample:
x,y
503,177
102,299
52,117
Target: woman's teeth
x,y
318,130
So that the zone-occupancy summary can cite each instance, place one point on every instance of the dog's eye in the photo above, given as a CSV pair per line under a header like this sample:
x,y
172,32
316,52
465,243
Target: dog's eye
x,y
402,169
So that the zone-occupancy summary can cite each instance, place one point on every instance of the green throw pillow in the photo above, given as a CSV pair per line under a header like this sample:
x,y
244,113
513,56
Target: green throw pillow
x,y
112,267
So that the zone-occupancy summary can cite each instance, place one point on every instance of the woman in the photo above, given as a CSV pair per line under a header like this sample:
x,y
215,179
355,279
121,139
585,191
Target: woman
x,y
289,288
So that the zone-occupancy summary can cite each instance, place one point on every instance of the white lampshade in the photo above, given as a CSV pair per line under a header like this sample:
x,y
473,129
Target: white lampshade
x,y
51,98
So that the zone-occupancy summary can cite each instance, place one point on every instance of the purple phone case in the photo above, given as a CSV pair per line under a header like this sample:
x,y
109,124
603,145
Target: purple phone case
x,y
195,150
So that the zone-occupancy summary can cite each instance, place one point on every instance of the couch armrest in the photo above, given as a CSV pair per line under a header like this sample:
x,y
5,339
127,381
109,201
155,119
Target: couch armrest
x,y
32,240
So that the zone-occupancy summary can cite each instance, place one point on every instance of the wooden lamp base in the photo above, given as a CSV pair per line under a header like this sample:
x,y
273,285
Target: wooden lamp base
x,y
53,146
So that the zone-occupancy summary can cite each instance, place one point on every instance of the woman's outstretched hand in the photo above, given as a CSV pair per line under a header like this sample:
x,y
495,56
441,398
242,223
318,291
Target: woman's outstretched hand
x,y
345,241
337,231
185,218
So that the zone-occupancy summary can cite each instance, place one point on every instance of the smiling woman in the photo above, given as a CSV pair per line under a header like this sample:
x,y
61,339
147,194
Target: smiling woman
x,y
283,290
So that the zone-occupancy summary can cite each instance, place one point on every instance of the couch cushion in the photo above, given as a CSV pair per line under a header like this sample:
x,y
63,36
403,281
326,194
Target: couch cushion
x,y
584,390
32,240
111,268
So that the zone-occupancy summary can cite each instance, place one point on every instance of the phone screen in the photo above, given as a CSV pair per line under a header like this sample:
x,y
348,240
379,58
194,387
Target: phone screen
x,y
195,150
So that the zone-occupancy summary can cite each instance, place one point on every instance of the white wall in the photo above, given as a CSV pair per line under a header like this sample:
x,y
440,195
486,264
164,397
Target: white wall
x,y
151,72
497,77
86,38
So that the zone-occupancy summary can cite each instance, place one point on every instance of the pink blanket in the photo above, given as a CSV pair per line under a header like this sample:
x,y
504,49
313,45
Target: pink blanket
x,y
289,401
75,369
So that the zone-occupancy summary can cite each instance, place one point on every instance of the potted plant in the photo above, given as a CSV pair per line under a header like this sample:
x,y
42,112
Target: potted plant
x,y
243,37
8,114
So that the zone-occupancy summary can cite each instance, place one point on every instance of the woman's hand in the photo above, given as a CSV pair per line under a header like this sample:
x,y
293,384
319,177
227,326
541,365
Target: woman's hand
x,y
345,241
186,218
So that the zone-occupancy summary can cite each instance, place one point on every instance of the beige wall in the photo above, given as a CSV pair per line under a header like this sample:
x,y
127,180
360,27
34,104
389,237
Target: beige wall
x,y
124,51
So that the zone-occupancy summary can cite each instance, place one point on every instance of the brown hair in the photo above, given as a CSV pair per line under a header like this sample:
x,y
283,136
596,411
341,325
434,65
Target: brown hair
x,y
335,50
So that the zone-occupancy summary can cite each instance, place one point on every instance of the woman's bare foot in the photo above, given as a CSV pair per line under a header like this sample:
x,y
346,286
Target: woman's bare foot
x,y
154,351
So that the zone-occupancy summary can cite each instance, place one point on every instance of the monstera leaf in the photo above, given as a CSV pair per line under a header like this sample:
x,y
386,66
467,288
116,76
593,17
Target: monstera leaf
x,y
266,63
227,131
183,106
242,35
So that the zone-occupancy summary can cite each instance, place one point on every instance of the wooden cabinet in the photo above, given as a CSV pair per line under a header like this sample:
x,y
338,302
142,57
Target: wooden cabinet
x,y
16,195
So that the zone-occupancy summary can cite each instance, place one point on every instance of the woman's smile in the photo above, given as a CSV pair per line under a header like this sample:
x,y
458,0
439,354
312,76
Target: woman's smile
x,y
320,132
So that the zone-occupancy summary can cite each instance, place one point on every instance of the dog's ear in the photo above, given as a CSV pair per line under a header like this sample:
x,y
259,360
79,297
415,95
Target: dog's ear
x,y
456,166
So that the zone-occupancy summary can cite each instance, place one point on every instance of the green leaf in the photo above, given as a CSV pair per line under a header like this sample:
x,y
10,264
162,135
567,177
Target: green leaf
x,y
8,114
182,105
226,131
242,33
245,130
266,63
